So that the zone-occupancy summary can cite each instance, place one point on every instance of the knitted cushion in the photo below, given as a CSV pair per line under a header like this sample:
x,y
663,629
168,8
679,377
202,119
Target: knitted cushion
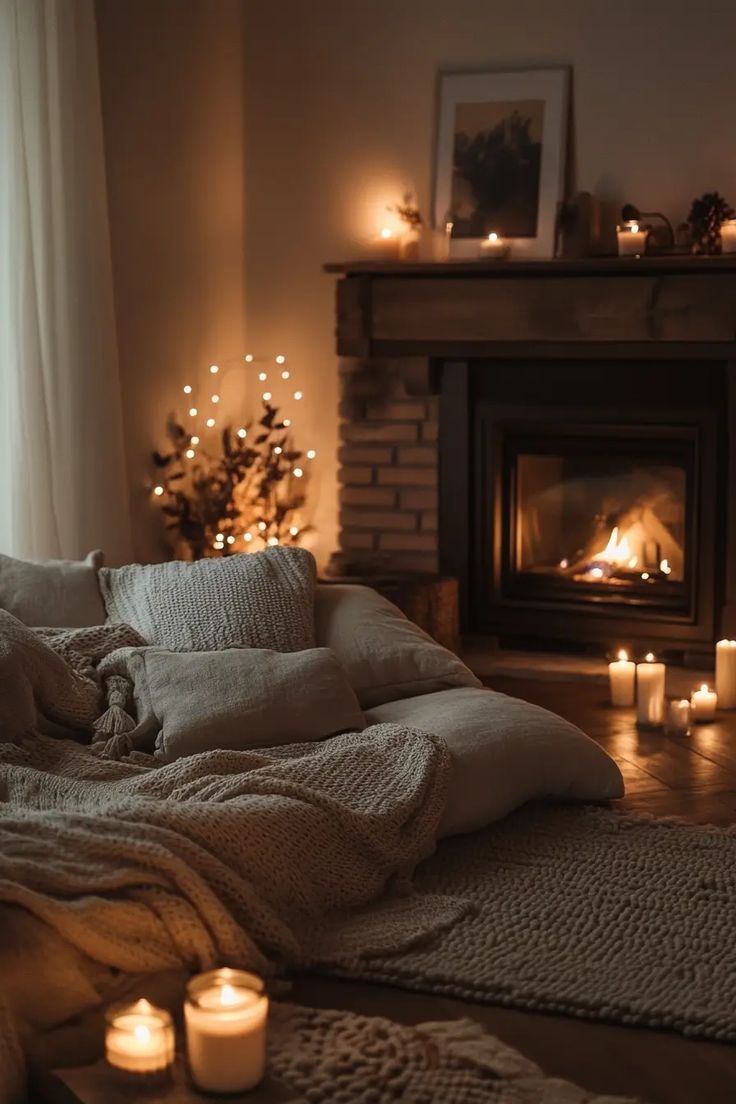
x,y
255,600
54,594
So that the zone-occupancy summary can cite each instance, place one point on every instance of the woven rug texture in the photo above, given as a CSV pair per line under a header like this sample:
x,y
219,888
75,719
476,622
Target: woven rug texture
x,y
589,913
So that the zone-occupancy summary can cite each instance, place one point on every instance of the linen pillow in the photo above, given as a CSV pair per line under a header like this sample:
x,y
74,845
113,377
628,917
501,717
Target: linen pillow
x,y
240,698
52,594
256,600
505,752
385,655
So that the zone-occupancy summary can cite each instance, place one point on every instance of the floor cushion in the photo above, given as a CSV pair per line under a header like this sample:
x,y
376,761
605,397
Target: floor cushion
x,y
505,752
239,698
52,594
256,600
386,656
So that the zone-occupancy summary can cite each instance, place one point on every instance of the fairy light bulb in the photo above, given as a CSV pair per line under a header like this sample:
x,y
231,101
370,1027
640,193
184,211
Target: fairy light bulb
x,y
214,398
298,473
280,359
194,440
158,490
286,422
230,539
187,389
242,432
278,450
311,454
263,376
193,412
214,369
248,537
266,396
262,526
297,395
219,536
210,423
248,358
272,541
190,454
294,531
285,375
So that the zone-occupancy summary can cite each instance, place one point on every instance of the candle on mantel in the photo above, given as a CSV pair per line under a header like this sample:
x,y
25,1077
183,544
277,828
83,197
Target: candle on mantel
x,y
386,245
678,717
728,236
225,1013
621,677
703,704
139,1038
494,246
726,673
650,692
632,240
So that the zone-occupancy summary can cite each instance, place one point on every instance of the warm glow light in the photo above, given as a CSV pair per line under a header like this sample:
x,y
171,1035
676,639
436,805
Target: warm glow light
x,y
266,396
387,233
263,376
190,454
596,572
311,454
564,563
272,541
242,432
649,657
247,536
286,422
248,358
231,539
298,473
623,655
219,537
142,1033
194,440
192,412
187,389
215,398
493,237
616,551
645,575
633,561
214,369
704,688
228,995
633,227
297,395
665,568
158,490
280,359
210,422
262,525
278,450
294,531
285,375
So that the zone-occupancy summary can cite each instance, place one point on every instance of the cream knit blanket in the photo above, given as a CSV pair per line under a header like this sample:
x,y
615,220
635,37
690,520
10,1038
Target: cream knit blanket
x,y
258,859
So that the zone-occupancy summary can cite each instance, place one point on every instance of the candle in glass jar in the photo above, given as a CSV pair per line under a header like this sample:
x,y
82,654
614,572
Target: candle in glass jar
x,y
678,717
386,245
726,673
139,1038
728,236
225,1013
703,704
650,692
493,246
632,240
621,678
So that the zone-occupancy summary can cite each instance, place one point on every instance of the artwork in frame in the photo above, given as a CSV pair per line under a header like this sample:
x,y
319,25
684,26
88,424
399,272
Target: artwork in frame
x,y
501,158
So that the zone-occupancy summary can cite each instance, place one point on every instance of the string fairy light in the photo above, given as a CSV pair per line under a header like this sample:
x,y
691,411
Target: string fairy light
x,y
187,389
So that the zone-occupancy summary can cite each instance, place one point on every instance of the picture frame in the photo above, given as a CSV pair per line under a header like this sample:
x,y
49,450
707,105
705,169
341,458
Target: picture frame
x,y
501,158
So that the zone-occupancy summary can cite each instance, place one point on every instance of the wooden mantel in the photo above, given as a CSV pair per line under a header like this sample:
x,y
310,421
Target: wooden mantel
x,y
653,306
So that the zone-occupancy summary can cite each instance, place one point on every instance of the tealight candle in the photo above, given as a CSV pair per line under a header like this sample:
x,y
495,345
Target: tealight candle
x,y
225,1013
494,246
632,241
678,717
386,245
728,236
726,673
139,1038
650,692
621,677
703,704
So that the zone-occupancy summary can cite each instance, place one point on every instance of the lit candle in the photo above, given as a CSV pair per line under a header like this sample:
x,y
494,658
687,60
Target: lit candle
x,y
650,692
494,246
139,1038
703,703
386,245
726,673
225,1014
621,677
728,236
632,241
678,717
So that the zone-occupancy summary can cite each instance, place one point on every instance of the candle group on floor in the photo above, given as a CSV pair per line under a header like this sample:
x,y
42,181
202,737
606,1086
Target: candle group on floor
x,y
225,1016
643,685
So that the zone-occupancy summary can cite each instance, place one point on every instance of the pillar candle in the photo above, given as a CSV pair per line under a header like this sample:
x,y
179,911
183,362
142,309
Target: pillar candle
x,y
494,246
139,1038
726,673
225,1015
621,678
632,241
678,717
703,704
386,246
650,692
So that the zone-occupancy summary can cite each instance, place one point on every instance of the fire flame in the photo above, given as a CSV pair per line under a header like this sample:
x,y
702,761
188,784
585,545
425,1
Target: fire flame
x,y
617,551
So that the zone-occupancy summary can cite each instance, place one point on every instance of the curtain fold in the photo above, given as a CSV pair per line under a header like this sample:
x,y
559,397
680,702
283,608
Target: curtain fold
x,y
63,488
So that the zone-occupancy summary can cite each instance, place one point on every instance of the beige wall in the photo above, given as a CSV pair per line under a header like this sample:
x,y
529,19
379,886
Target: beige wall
x,y
171,75
340,116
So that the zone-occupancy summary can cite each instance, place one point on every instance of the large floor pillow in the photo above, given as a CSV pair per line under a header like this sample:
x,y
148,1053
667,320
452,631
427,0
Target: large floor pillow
x,y
54,593
505,752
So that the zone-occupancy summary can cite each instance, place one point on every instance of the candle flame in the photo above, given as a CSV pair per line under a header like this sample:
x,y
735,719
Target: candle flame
x,y
623,655
634,228
387,232
493,237
704,688
649,657
142,1033
228,995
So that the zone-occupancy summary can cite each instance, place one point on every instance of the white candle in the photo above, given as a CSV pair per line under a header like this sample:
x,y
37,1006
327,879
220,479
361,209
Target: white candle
x,y
621,677
225,1014
703,704
726,673
632,241
494,246
728,236
386,245
678,717
139,1038
650,692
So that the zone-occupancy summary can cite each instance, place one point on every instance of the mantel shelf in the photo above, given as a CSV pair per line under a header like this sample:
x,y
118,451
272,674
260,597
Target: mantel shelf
x,y
589,266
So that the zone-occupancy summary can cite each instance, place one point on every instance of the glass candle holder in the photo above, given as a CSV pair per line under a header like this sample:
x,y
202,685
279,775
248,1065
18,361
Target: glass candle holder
x,y
225,1014
632,240
678,717
139,1039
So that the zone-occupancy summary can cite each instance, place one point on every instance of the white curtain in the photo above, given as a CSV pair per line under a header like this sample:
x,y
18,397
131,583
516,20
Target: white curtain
x,y
62,474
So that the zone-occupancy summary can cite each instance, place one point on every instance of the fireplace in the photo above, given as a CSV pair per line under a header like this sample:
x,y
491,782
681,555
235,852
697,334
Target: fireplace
x,y
596,485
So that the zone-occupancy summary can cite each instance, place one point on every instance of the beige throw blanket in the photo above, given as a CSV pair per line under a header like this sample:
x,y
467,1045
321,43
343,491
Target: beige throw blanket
x,y
258,859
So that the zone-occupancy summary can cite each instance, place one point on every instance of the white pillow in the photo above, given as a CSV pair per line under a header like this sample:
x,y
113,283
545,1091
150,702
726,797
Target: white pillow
x,y
53,594
505,752
257,600
385,655
239,698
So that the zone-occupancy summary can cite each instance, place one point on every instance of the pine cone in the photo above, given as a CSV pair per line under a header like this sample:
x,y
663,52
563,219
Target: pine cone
x,y
705,218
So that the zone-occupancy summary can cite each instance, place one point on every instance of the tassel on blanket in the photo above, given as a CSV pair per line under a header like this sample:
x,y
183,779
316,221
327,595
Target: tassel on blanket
x,y
112,727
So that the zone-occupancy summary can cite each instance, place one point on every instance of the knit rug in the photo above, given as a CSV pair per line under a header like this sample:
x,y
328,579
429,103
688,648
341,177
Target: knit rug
x,y
589,913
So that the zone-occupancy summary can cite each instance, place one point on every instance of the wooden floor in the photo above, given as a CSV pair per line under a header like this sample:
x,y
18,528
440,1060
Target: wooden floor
x,y
693,777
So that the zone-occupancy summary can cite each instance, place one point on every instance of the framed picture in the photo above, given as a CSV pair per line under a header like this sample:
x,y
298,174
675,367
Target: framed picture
x,y
501,158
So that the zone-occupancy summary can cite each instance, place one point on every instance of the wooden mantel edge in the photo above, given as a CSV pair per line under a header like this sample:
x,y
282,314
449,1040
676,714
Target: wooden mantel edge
x,y
593,266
